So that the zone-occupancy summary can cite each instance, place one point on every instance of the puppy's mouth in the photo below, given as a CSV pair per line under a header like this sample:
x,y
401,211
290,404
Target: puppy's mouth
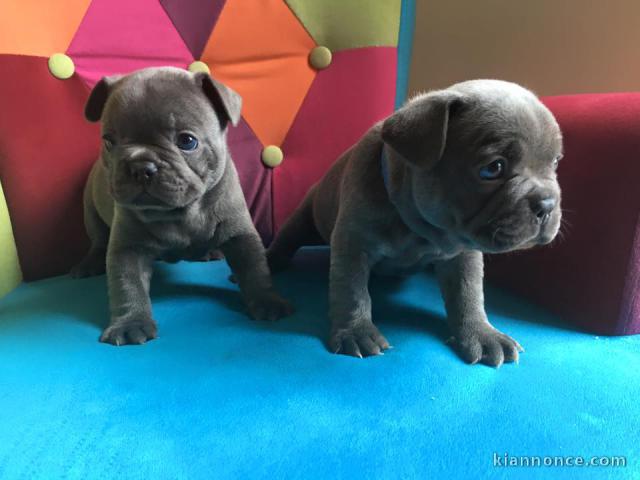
x,y
515,233
145,200
139,197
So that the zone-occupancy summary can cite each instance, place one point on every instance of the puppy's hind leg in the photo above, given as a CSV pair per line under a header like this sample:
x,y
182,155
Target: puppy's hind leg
x,y
299,230
94,262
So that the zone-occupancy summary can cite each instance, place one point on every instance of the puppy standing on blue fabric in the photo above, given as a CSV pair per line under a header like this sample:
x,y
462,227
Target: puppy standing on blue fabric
x,y
165,187
452,174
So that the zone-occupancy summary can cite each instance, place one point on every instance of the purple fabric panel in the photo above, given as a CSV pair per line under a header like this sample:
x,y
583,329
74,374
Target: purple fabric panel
x,y
194,20
629,322
255,178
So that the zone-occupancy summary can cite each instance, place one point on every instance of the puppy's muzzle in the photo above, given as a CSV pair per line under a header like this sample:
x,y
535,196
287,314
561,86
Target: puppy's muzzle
x,y
542,206
143,171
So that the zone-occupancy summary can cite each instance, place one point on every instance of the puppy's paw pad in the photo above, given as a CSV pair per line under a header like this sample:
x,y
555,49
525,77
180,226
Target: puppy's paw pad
x,y
488,346
130,333
269,307
360,341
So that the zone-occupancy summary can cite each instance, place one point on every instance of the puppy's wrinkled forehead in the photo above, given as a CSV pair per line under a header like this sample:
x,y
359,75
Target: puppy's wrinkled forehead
x,y
498,111
160,102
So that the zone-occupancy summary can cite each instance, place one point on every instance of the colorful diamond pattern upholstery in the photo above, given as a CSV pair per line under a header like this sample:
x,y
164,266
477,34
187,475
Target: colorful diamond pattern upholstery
x,y
194,20
119,36
260,48
361,79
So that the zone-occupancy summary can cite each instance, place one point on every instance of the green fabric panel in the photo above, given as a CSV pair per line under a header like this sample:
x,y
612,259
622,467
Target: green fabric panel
x,y
10,274
342,24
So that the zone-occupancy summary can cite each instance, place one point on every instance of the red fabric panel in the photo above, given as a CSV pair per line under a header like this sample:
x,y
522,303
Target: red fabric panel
x,y
46,151
592,276
344,101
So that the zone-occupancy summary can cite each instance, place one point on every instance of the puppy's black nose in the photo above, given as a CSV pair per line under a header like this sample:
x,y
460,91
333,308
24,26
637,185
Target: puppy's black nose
x,y
542,207
143,171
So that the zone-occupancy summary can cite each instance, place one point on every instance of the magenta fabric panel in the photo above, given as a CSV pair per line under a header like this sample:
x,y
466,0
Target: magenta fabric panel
x,y
589,275
119,36
194,20
255,178
344,101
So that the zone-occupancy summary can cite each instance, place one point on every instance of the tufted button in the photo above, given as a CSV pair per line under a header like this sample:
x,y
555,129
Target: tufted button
x,y
272,156
320,57
61,66
199,66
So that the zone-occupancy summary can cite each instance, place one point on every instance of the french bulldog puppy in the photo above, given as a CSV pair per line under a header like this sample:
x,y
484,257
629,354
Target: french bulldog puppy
x,y
165,187
450,175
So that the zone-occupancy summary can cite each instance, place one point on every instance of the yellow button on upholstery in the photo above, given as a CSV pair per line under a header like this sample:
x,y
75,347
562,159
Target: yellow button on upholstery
x,y
272,156
320,57
61,66
199,66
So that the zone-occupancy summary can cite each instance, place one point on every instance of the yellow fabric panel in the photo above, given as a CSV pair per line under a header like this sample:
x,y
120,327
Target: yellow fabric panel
x,y
10,274
342,24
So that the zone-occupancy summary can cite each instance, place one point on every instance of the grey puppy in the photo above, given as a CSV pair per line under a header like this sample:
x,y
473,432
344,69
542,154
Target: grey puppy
x,y
452,174
165,187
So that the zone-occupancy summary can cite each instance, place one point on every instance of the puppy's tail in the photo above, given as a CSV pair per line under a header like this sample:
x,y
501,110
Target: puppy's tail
x,y
299,230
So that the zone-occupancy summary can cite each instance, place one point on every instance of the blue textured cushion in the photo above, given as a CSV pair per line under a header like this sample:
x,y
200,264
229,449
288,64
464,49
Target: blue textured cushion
x,y
221,396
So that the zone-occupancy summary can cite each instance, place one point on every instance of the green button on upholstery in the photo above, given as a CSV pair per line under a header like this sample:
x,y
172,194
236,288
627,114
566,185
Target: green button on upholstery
x,y
320,57
272,156
61,66
199,66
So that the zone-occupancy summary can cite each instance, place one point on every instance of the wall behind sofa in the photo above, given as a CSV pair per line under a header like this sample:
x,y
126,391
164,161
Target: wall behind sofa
x,y
551,46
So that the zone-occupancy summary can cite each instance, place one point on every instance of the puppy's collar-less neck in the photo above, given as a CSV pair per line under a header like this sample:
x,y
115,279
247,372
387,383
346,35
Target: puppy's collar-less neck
x,y
410,216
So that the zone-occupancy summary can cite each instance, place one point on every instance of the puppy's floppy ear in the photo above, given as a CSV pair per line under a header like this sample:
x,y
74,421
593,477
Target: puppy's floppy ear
x,y
226,102
418,130
98,97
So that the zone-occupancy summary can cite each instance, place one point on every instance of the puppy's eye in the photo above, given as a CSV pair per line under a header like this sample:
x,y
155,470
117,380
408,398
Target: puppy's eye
x,y
556,161
187,142
493,171
108,142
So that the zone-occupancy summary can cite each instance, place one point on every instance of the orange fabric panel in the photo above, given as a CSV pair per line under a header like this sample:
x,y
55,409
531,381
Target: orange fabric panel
x,y
260,49
34,27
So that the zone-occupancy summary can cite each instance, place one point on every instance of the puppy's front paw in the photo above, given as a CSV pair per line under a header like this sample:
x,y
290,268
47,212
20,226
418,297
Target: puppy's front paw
x,y
486,345
269,306
363,340
132,332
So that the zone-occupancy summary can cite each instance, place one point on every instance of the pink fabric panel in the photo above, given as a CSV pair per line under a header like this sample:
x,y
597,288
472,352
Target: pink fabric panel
x,y
119,36
344,101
